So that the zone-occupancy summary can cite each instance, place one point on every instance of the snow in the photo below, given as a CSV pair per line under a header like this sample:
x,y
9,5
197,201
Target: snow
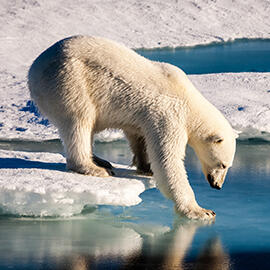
x,y
36,183
135,23
244,99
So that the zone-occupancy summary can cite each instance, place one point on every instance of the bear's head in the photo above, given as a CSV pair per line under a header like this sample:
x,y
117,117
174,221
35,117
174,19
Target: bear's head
x,y
209,132
216,151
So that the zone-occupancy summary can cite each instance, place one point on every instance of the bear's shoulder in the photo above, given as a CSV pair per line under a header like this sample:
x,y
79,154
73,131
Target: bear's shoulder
x,y
176,79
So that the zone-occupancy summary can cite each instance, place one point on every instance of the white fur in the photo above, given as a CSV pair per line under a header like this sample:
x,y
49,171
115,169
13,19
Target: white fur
x,y
87,84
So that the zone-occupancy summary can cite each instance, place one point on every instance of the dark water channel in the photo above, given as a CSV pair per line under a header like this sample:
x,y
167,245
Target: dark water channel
x,y
239,56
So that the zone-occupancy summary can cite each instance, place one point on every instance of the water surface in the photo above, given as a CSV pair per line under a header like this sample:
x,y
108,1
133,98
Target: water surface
x,y
239,56
150,235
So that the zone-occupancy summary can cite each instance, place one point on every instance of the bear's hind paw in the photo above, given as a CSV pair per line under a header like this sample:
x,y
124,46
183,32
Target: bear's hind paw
x,y
93,171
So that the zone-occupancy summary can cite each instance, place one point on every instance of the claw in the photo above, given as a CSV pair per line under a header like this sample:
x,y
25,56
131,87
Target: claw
x,y
111,172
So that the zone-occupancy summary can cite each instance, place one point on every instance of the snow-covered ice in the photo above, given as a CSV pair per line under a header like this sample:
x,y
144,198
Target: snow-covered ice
x,y
244,98
29,27
36,183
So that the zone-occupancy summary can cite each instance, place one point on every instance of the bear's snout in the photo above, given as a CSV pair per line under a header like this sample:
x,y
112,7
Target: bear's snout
x,y
212,182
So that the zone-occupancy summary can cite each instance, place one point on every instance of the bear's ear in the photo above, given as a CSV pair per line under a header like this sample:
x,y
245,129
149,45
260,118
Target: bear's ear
x,y
214,139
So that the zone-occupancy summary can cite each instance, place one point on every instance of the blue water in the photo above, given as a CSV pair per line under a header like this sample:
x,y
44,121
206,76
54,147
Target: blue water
x,y
238,56
150,235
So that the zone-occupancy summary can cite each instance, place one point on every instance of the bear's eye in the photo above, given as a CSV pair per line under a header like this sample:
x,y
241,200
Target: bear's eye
x,y
223,166
214,139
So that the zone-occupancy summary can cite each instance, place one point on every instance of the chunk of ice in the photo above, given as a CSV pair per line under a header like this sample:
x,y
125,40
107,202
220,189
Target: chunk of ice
x,y
37,184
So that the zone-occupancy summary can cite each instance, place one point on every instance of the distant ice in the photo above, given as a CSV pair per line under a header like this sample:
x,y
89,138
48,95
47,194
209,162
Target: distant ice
x,y
244,99
37,184
29,27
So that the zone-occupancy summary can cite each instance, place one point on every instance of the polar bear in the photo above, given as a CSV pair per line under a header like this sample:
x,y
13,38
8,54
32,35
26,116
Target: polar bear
x,y
87,84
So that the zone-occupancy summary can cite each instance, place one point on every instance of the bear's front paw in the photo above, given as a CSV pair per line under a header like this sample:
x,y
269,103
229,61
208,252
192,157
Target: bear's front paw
x,y
198,213
202,214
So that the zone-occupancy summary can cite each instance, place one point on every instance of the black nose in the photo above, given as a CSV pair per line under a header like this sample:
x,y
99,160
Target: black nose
x,y
210,178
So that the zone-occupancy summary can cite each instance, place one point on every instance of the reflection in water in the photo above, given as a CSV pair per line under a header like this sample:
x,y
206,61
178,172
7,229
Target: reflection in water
x,y
213,257
182,237
52,146
169,250
104,243
56,242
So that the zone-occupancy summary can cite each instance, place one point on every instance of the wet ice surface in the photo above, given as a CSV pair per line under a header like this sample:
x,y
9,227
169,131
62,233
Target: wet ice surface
x,y
149,235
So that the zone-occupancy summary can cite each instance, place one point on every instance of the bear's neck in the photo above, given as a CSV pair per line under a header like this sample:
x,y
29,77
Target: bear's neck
x,y
202,117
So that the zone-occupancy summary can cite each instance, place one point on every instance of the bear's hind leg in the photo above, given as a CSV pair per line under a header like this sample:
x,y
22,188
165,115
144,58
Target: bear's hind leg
x,y
140,158
102,163
77,139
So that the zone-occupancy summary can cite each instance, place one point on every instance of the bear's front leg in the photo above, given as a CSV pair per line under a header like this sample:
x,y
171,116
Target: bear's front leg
x,y
166,149
182,194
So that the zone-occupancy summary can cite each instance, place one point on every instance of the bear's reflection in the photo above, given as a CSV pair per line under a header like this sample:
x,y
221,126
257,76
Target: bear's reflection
x,y
165,251
170,249
213,257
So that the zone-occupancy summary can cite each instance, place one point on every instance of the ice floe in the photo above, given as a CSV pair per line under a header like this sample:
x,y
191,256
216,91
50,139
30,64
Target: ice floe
x,y
37,184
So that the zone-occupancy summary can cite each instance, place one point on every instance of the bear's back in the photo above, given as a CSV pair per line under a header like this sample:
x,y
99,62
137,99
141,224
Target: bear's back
x,y
95,57
113,58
